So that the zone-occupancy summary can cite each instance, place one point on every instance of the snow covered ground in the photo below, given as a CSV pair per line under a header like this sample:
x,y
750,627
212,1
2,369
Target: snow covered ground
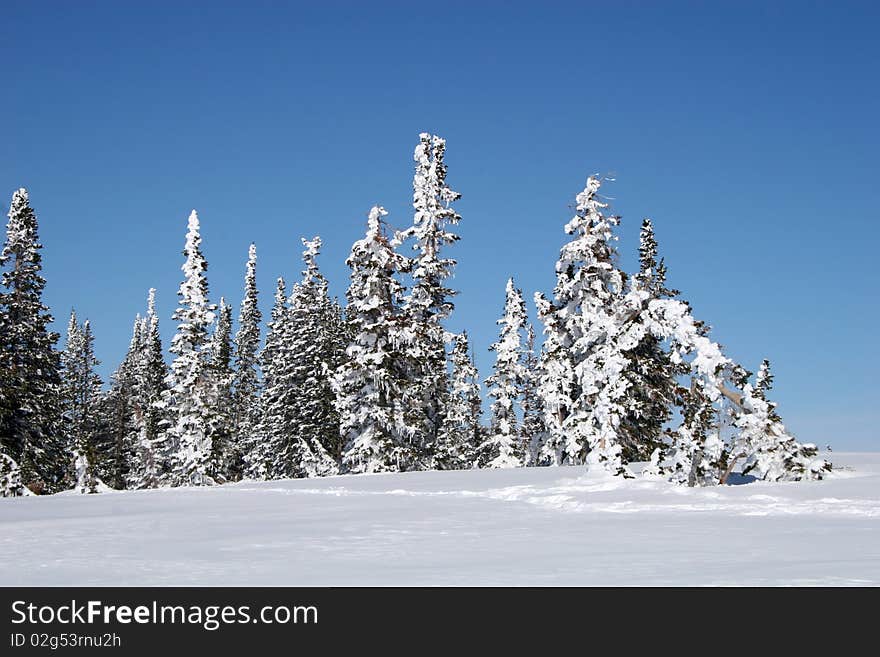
x,y
540,526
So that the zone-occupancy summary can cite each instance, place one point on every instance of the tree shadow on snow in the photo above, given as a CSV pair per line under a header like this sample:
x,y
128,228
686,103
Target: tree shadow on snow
x,y
738,479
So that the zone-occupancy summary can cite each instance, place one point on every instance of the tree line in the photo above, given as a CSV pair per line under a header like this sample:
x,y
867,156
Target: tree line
x,y
624,373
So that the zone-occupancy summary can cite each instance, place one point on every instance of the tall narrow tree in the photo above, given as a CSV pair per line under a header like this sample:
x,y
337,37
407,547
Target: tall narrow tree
x,y
650,371
270,426
461,432
152,387
369,383
504,447
189,395
246,382
118,461
582,385
29,365
429,302
81,387
533,428
299,423
312,352
219,374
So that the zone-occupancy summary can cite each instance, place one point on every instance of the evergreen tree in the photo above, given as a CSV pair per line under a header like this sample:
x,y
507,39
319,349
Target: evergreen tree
x,y
771,452
190,392
697,454
429,302
533,429
152,373
650,371
311,352
369,383
582,384
246,382
300,425
67,388
270,416
505,447
81,388
10,478
461,432
116,442
220,375
30,434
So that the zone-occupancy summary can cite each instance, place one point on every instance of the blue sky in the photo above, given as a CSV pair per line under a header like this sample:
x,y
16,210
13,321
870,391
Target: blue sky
x,y
747,131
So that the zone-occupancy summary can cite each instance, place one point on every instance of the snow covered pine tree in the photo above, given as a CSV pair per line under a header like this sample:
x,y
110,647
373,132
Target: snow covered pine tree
x,y
189,395
505,446
534,431
81,397
30,415
582,384
270,423
428,303
369,383
461,433
650,371
305,344
246,382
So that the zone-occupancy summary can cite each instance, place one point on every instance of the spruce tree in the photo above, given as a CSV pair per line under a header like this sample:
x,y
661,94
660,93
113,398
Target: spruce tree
x,y
311,350
30,434
582,384
10,478
246,381
505,448
650,370
117,441
533,428
219,373
429,302
369,384
81,397
299,426
270,414
461,433
697,454
190,392
152,373
771,452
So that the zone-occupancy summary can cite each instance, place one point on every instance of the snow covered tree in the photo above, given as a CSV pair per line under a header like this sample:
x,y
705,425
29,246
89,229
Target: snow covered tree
x,y
300,422
314,350
697,454
219,374
67,396
10,478
650,371
115,442
152,372
189,395
771,453
81,388
533,430
461,432
504,447
30,434
582,384
246,382
134,452
269,427
428,303
369,383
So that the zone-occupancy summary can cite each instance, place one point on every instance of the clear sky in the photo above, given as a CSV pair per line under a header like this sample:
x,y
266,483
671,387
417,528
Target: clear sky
x,y
747,131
